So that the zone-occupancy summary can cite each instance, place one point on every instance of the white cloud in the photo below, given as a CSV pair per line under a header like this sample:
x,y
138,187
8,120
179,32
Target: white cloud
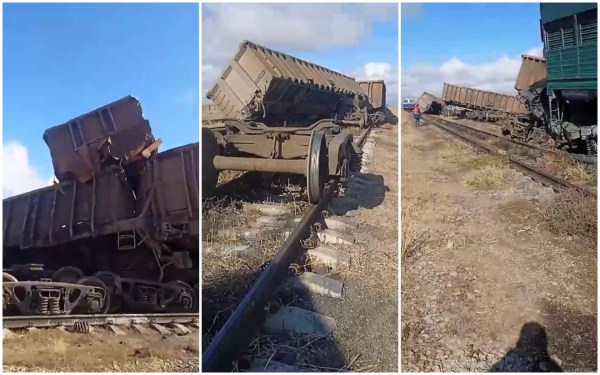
x,y
19,176
379,70
310,27
496,76
285,27
411,9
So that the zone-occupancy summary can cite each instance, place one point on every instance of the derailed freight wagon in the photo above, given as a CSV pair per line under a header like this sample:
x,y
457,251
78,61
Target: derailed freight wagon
x,y
116,133
285,115
481,100
429,103
124,240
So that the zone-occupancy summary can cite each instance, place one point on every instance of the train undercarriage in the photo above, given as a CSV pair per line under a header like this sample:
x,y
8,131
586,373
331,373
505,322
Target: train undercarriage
x,y
33,289
319,152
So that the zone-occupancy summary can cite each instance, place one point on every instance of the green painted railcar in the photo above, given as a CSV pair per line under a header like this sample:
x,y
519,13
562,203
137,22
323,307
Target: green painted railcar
x,y
570,36
569,32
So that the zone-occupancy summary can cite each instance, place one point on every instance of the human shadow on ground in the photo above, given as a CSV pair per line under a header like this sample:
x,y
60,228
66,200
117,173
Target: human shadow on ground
x,y
530,353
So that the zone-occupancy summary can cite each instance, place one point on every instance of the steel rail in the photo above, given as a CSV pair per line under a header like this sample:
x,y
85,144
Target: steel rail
x,y
581,158
546,179
361,140
41,321
236,334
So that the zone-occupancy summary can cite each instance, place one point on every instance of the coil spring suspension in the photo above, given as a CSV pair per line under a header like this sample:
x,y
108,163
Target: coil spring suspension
x,y
40,304
54,305
81,327
152,298
144,297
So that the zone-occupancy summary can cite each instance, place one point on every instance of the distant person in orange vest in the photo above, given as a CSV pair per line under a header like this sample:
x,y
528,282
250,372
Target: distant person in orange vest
x,y
417,115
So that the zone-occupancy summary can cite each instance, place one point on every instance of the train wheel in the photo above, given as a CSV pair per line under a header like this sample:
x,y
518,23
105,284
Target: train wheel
x,y
210,175
8,278
317,169
113,286
92,306
188,302
67,275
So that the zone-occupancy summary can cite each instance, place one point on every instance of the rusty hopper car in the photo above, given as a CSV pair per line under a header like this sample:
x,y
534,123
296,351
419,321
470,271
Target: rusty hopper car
x,y
211,116
375,90
430,104
533,69
112,134
66,212
267,86
284,115
140,249
482,100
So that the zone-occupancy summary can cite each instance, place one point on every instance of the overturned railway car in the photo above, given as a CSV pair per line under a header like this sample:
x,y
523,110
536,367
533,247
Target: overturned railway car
x,y
428,103
482,100
286,115
112,134
126,239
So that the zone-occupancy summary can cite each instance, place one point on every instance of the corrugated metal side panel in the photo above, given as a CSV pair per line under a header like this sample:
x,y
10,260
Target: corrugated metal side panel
x,y
462,96
533,69
425,101
121,120
479,99
376,92
210,112
172,180
257,69
107,120
64,212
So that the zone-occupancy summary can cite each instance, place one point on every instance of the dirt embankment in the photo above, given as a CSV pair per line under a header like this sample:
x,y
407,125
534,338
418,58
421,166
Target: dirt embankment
x,y
489,280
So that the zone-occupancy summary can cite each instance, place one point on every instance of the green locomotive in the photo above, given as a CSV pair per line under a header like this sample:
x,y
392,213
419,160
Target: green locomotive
x,y
566,101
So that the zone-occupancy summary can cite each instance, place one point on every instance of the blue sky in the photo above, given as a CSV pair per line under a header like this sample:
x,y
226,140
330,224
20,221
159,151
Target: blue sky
x,y
474,32
451,41
62,60
360,40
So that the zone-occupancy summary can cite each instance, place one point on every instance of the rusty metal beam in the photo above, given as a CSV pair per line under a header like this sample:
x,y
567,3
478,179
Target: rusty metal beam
x,y
259,165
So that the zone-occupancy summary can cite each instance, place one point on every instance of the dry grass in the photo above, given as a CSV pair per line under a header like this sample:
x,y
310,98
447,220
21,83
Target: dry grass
x,y
454,152
489,172
573,214
488,178
563,166
519,211
412,240
226,176
55,350
227,278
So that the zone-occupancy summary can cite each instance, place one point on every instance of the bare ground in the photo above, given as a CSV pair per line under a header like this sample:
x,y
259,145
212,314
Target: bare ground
x,y
51,350
365,337
367,318
484,263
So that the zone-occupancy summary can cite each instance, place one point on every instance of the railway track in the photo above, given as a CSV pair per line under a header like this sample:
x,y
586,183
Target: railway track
x,y
289,267
38,321
487,135
517,162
